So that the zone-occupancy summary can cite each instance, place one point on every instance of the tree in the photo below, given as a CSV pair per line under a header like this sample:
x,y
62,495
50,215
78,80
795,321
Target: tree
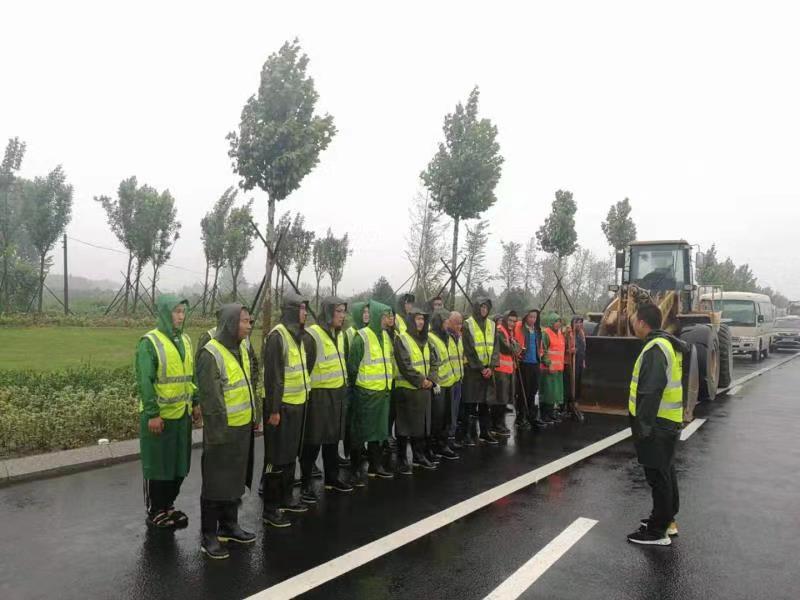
x,y
147,224
463,173
318,262
338,249
529,266
280,138
558,236
515,299
212,232
474,270
12,161
167,233
46,213
285,252
510,265
425,247
382,292
302,240
619,228
238,242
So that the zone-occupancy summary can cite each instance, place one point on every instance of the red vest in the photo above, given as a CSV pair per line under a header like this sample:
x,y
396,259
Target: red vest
x,y
505,363
555,352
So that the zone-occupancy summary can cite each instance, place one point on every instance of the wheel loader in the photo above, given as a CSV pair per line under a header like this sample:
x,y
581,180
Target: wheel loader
x,y
659,272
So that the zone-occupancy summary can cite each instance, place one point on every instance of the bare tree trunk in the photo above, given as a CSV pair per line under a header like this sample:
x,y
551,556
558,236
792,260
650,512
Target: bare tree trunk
x,y
453,264
214,291
235,274
316,296
139,267
153,288
127,283
205,290
266,321
41,280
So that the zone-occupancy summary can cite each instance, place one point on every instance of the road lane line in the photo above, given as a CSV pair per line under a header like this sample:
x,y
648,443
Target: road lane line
x,y
691,428
524,577
308,580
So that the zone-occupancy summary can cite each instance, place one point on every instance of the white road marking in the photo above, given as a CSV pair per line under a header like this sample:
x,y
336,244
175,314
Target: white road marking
x,y
691,428
513,587
734,391
308,580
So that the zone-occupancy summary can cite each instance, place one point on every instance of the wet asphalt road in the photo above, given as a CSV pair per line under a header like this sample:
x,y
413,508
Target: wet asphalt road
x,y
83,535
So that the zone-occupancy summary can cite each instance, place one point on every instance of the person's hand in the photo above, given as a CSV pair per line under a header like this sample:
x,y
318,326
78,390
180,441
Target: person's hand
x,y
274,419
197,415
487,373
156,425
426,385
256,427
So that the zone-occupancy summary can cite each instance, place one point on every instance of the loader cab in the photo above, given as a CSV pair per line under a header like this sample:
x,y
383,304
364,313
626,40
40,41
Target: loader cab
x,y
661,266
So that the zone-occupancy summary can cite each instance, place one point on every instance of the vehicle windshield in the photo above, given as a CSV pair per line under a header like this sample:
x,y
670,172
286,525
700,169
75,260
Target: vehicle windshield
x,y
659,268
788,324
740,312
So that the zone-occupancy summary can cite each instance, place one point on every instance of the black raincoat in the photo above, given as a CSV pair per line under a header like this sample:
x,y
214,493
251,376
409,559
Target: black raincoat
x,y
478,390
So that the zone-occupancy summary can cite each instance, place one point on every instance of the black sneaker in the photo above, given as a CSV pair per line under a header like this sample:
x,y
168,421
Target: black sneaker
x,y
672,528
456,443
235,534
423,462
275,518
648,537
488,438
405,469
432,457
308,496
447,454
338,486
380,473
294,506
211,547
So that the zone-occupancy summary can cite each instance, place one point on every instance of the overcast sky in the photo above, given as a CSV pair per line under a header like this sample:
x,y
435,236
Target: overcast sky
x,y
690,109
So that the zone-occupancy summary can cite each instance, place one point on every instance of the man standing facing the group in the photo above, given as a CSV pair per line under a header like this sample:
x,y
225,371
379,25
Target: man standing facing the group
x,y
167,403
326,420
481,351
286,386
228,399
655,405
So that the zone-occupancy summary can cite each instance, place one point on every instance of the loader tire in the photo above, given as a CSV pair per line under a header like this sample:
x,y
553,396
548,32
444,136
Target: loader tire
x,y
725,356
691,386
702,336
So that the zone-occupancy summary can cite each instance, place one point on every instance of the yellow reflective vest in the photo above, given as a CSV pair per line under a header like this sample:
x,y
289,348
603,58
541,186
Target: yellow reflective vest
x,y
329,370
483,338
420,360
237,388
400,324
456,351
245,342
173,386
296,380
447,378
671,407
375,372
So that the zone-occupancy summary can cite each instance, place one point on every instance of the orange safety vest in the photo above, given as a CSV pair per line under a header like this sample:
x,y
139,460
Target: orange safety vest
x,y
555,351
505,363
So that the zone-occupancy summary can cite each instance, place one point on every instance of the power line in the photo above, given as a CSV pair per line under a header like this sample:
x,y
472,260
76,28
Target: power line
x,y
123,252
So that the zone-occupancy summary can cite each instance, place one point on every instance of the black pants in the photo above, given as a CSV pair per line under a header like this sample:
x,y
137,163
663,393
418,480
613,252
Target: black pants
x,y
529,372
482,414
664,484
216,513
330,461
278,486
159,495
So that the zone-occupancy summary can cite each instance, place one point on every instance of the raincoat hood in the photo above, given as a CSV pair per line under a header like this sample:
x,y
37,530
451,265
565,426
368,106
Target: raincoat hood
x,y
290,312
421,336
327,308
376,311
356,308
165,304
437,323
476,308
549,318
401,301
228,318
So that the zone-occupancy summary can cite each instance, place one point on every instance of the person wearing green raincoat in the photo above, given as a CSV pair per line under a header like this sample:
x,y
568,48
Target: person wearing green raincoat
x,y
370,375
359,317
167,404
551,384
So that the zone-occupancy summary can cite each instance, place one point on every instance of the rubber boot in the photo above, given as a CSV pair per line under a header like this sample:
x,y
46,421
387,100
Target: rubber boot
x,y
375,463
484,418
229,529
403,466
471,437
288,503
209,519
418,452
444,450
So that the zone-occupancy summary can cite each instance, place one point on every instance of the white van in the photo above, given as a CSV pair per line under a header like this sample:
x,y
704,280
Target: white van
x,y
751,318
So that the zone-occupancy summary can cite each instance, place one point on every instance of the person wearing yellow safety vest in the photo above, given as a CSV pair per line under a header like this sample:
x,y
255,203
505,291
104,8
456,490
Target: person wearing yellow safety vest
x,y
455,347
370,374
441,403
287,382
228,401
167,404
481,352
417,376
326,412
404,304
207,336
655,405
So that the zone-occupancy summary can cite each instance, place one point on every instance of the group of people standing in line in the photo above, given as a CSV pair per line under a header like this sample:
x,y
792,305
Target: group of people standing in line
x,y
420,383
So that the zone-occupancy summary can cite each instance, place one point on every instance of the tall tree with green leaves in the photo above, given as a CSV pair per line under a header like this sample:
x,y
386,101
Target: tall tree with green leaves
x,y
167,234
619,228
46,213
464,172
212,232
303,241
474,271
9,219
558,236
382,292
238,242
338,249
280,138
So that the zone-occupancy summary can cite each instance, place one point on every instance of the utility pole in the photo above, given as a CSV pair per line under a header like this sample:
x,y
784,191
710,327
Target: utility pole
x,y
66,279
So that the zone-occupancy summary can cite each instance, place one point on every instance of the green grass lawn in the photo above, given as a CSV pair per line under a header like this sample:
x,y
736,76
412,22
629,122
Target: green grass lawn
x,y
52,348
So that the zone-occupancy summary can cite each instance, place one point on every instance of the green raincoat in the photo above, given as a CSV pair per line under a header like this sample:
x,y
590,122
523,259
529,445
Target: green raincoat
x,y
369,409
551,385
166,456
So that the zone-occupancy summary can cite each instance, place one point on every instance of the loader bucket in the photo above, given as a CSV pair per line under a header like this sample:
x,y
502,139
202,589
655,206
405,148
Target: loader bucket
x,y
607,377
